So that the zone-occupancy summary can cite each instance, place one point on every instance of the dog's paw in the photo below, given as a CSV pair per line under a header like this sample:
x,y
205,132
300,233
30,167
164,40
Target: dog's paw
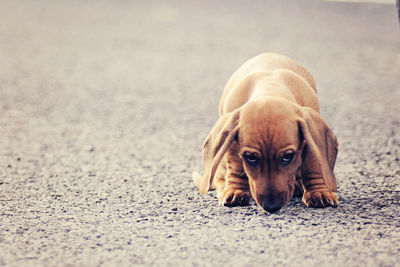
x,y
233,197
317,199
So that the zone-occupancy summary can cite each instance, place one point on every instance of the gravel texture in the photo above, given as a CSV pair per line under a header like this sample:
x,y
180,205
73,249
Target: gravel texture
x,y
104,106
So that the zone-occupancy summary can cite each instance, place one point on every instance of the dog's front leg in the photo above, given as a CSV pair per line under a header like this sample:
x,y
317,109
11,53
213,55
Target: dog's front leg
x,y
235,191
316,192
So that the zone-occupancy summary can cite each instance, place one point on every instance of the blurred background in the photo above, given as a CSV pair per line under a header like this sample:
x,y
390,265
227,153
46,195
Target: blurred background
x,y
104,106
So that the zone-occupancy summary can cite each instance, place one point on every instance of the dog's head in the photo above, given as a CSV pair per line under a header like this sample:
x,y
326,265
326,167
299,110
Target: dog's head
x,y
277,140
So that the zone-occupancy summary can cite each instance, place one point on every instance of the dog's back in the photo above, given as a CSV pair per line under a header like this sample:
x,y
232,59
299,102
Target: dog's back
x,y
277,67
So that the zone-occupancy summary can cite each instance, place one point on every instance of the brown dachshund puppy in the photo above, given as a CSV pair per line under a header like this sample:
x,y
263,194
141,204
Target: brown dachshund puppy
x,y
270,141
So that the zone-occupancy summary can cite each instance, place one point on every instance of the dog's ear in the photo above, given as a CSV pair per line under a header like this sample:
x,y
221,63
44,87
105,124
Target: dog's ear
x,y
321,149
216,144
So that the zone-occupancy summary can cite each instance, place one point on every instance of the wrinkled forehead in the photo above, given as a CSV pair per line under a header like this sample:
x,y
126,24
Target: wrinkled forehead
x,y
269,133
268,129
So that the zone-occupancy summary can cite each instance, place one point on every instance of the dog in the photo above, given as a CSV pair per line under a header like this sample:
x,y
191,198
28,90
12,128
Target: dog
x,y
270,142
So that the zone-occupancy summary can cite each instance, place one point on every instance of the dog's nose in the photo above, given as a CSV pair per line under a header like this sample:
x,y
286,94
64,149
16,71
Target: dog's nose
x,y
272,205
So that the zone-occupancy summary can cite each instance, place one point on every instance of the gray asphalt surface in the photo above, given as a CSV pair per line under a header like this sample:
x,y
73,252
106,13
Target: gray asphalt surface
x,y
104,107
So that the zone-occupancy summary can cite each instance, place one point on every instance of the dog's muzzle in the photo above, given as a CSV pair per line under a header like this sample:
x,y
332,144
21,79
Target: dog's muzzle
x,y
271,203
272,206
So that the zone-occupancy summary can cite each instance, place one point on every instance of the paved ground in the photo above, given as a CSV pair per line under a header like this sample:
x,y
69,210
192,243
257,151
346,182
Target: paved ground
x,y
104,107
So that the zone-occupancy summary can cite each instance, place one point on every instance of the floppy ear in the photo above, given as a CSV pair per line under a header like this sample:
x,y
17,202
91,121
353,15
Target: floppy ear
x,y
319,156
214,148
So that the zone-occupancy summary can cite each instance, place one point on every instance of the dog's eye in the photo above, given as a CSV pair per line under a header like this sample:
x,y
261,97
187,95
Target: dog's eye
x,y
287,158
250,158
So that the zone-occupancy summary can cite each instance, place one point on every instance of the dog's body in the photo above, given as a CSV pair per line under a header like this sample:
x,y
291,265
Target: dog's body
x,y
270,141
